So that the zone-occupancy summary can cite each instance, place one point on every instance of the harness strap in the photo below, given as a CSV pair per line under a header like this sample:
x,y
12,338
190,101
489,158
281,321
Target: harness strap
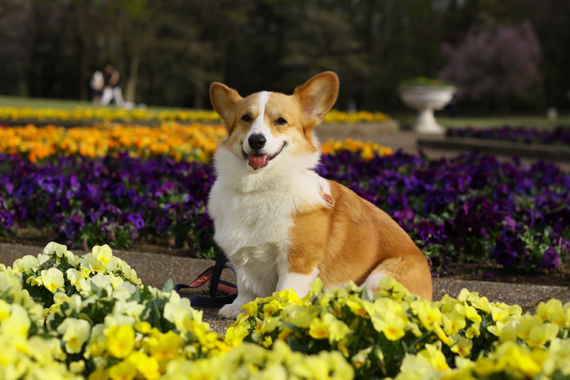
x,y
212,276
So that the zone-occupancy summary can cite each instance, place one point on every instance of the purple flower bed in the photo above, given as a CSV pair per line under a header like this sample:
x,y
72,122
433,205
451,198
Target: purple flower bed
x,y
115,200
472,208
557,136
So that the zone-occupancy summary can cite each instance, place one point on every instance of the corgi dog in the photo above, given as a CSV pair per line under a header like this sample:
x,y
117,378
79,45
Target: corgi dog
x,y
282,225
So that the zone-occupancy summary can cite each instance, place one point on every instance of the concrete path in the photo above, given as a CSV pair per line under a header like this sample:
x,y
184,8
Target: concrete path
x,y
155,270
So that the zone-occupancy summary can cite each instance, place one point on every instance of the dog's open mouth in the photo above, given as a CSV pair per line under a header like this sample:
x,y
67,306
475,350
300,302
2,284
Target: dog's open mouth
x,y
258,161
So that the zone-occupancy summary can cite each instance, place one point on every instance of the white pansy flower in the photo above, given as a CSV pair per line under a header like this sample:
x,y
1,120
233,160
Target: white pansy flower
x,y
42,259
103,253
102,282
124,291
119,320
75,303
55,249
73,260
176,310
112,265
116,281
52,279
17,324
75,333
132,309
73,276
27,264
5,283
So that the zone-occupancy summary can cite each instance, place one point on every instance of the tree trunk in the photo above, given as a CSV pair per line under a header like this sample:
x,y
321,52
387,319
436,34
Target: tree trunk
x,y
131,85
83,72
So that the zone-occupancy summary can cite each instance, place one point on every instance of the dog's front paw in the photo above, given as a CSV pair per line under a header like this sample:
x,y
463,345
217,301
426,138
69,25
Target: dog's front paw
x,y
230,311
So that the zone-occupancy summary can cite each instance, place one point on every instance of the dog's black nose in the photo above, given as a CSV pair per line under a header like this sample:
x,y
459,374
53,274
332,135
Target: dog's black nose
x,y
256,141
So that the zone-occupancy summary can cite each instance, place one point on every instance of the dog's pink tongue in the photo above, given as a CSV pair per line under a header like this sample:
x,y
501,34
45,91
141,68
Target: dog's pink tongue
x,y
257,161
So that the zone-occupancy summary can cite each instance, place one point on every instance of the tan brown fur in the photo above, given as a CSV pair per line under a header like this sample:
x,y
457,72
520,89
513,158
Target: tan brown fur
x,y
350,240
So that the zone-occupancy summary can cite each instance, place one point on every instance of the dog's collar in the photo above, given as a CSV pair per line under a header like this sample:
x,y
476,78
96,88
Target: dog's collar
x,y
329,200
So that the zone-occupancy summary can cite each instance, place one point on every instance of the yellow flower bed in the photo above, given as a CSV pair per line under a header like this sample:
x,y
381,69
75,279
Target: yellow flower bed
x,y
367,149
195,142
81,115
335,116
87,317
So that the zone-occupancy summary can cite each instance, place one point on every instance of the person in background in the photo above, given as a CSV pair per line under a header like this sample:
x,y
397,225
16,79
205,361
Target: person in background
x,y
112,90
97,83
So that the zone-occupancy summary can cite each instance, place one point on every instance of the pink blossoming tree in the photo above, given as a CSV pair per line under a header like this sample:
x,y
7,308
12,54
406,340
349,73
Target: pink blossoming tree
x,y
495,65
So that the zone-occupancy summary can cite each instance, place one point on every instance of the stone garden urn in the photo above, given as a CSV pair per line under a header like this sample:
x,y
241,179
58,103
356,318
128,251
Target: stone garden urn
x,y
426,95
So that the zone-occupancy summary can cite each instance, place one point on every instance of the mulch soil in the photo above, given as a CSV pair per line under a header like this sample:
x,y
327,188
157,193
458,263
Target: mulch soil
x,y
493,273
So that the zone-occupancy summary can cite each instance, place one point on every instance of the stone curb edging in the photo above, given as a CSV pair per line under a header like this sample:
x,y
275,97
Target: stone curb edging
x,y
345,130
546,152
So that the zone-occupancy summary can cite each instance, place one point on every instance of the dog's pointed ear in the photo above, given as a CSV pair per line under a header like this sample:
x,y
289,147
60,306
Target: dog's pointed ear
x,y
224,100
317,96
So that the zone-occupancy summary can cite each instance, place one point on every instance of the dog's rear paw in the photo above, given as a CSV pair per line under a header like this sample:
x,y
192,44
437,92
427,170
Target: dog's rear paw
x,y
230,311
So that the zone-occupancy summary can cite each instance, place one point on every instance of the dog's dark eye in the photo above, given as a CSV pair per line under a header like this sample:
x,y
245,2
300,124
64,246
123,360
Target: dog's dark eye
x,y
280,121
247,118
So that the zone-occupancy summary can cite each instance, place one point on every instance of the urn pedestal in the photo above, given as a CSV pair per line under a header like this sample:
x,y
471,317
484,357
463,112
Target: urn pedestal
x,y
426,99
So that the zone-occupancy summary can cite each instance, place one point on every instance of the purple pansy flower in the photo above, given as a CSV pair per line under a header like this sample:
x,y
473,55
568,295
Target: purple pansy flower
x,y
431,232
549,260
507,254
6,219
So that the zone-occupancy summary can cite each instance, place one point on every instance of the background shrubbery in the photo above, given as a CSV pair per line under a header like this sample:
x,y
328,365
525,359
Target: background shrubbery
x,y
168,52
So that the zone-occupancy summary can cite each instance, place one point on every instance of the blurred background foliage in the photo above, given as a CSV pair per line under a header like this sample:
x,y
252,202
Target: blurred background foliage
x,y
505,55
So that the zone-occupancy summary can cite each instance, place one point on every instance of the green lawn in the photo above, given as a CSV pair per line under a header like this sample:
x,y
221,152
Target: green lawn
x,y
408,119
515,121
16,101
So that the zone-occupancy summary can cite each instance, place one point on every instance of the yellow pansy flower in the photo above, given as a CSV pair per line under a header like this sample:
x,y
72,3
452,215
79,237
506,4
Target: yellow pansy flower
x,y
391,288
301,317
392,326
527,323
165,346
433,354
319,327
473,331
235,335
338,330
472,315
122,371
427,313
508,332
120,340
148,367
461,345
4,310
453,322
540,335
554,312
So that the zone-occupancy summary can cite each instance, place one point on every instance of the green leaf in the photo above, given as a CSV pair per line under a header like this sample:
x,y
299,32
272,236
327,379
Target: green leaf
x,y
168,286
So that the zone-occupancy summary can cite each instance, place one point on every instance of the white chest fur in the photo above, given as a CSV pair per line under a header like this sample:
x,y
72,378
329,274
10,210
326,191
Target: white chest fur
x,y
253,214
